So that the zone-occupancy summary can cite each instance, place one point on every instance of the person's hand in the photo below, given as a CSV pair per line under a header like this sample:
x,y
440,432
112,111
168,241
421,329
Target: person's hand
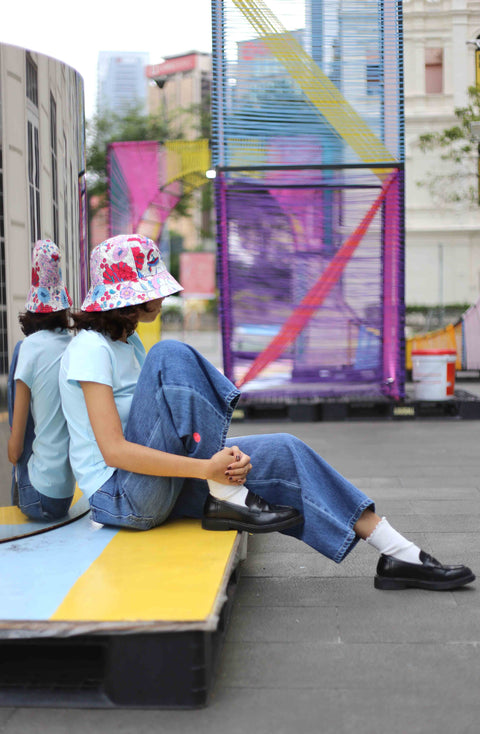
x,y
229,466
14,449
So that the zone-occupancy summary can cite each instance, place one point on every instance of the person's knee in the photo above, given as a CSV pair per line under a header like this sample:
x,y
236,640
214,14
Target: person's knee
x,y
169,347
55,508
287,440
168,353
35,511
56,514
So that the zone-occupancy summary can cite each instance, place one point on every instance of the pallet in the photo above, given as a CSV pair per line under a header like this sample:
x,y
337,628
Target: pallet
x,y
100,617
464,405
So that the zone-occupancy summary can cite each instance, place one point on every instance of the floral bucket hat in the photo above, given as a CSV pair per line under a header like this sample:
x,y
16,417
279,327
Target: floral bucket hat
x,y
127,270
48,292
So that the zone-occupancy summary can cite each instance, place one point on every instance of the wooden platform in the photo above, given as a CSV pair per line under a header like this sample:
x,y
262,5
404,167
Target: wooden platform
x,y
92,616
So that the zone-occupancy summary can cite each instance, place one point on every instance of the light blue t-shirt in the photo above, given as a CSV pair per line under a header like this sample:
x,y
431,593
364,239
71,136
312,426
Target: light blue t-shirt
x,y
93,357
38,366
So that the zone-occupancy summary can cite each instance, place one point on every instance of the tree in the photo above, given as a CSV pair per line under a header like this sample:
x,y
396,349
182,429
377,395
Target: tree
x,y
112,128
458,181
135,125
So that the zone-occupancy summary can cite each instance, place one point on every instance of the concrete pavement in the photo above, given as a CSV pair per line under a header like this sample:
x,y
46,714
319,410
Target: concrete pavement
x,y
312,647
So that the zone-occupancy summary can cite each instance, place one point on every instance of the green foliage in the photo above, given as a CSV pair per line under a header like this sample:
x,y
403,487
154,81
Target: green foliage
x,y
206,206
448,308
111,128
457,181
462,131
198,116
176,247
135,125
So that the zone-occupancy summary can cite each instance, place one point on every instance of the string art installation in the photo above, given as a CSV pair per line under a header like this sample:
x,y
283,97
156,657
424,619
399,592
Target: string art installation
x,y
308,147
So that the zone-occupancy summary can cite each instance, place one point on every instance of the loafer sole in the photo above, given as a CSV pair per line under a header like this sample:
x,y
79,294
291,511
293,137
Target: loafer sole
x,y
385,583
211,523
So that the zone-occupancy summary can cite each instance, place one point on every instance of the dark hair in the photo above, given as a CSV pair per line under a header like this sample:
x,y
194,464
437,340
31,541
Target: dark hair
x,y
114,323
32,322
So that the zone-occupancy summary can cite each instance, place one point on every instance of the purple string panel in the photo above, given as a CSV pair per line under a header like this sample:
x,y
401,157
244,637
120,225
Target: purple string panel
x,y
281,242
308,147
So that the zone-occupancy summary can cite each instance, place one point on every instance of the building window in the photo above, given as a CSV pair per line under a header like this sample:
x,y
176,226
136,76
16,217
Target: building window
x,y
32,80
373,78
2,223
66,199
33,180
33,147
433,70
3,280
53,153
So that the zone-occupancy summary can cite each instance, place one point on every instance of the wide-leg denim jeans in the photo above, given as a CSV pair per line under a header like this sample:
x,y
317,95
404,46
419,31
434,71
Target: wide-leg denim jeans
x,y
183,405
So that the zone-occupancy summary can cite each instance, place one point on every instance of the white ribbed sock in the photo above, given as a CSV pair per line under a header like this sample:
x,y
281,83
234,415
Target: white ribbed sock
x,y
388,541
235,494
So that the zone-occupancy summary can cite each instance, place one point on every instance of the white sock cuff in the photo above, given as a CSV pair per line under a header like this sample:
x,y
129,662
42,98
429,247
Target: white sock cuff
x,y
228,492
387,540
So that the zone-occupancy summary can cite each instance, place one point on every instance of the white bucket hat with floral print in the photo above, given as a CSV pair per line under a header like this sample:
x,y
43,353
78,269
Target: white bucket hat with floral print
x,y
127,270
48,292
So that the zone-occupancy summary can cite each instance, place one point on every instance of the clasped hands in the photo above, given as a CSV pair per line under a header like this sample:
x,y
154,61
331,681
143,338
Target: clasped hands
x,y
229,466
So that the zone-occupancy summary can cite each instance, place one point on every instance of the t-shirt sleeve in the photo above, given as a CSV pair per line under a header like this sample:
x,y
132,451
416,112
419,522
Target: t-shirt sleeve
x,y
89,360
25,363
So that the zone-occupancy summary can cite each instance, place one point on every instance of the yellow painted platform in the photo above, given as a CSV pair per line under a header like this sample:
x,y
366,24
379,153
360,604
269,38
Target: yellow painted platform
x,y
170,573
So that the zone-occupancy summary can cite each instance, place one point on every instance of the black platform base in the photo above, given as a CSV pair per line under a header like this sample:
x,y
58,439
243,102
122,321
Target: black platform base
x,y
464,405
137,670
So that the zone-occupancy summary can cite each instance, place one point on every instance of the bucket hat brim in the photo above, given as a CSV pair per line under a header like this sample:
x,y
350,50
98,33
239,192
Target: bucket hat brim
x,y
127,270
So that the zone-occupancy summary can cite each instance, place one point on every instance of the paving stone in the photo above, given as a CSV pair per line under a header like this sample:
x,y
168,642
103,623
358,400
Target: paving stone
x,y
418,493
364,666
308,565
435,522
353,593
368,482
442,711
5,715
457,546
446,507
410,622
277,543
283,624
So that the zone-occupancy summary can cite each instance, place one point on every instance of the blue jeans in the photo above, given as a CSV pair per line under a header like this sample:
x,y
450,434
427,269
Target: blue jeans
x,y
183,405
34,504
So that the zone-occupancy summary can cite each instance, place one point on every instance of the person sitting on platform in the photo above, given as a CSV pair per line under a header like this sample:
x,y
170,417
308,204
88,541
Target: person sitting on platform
x,y
149,436
43,481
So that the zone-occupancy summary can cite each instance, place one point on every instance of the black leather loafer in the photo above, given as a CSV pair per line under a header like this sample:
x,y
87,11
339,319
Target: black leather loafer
x,y
257,517
430,574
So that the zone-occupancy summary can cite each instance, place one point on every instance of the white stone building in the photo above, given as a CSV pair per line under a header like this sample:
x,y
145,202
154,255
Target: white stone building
x,y
442,242
42,178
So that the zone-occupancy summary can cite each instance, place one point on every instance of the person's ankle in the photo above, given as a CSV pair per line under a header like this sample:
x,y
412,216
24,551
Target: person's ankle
x,y
389,542
236,495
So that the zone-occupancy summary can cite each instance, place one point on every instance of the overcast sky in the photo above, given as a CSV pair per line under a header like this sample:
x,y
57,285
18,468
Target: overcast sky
x,y
76,32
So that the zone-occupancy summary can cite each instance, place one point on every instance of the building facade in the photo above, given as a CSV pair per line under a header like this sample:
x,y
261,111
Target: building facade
x,y
442,240
121,81
180,90
42,178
